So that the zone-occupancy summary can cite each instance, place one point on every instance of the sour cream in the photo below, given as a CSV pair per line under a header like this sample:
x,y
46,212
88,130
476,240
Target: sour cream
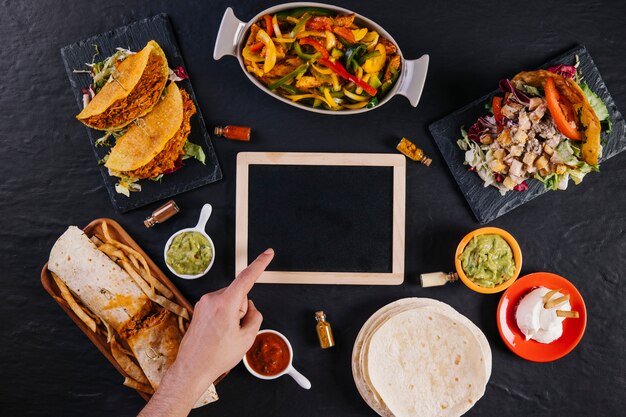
x,y
539,323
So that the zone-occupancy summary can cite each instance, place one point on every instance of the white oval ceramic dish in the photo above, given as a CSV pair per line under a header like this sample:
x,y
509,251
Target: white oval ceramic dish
x,y
289,370
231,40
207,209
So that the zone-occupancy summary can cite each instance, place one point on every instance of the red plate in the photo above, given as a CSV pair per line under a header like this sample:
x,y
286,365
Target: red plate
x,y
531,350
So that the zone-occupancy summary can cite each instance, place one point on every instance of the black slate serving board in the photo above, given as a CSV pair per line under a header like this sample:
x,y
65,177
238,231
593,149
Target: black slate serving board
x,y
486,202
134,37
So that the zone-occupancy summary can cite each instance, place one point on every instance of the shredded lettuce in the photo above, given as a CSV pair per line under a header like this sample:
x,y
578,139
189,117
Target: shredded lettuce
x,y
193,151
479,160
126,186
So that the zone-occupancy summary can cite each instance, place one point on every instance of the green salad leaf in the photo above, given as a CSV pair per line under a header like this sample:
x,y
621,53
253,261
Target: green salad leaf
x,y
193,151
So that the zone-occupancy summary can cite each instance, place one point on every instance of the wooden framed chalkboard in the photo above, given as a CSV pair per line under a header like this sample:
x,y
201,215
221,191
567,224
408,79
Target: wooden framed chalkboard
x,y
331,218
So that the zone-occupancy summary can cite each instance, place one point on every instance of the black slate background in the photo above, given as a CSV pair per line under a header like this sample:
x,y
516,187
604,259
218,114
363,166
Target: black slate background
x,y
49,180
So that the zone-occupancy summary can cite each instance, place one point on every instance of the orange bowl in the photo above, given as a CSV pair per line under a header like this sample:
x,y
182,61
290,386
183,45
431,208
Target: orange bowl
x,y
517,258
573,329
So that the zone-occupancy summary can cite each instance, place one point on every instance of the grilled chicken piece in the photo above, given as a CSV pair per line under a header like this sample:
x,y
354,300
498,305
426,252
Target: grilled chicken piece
x,y
390,48
284,67
345,20
393,63
307,82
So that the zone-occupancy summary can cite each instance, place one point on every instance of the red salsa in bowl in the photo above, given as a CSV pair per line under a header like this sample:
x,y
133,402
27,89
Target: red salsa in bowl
x,y
269,354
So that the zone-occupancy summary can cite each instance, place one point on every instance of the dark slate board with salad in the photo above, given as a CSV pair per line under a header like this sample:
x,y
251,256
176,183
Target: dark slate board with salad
x,y
486,202
134,37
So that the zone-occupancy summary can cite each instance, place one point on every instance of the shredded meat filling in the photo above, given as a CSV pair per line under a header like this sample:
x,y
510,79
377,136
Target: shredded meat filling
x,y
143,320
166,159
144,95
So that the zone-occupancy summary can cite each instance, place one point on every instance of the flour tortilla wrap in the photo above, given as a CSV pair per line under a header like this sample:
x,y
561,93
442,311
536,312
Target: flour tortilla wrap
x,y
102,286
361,345
154,143
134,91
424,362
155,346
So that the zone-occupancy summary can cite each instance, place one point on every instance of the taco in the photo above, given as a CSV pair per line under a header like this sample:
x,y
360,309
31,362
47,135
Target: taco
x,y
131,92
153,145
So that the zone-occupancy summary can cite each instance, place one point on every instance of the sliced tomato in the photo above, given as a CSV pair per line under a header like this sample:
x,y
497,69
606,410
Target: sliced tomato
x,y
561,111
268,25
496,106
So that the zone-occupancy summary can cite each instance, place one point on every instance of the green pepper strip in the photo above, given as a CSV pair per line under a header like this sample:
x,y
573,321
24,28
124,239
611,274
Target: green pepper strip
x,y
289,76
299,25
351,55
290,89
307,57
367,56
298,12
372,103
389,83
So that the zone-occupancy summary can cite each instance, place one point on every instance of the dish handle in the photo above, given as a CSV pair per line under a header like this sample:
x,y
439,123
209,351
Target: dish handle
x,y
413,79
228,35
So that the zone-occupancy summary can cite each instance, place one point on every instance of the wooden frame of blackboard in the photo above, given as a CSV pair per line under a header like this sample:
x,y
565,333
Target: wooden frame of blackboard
x,y
397,162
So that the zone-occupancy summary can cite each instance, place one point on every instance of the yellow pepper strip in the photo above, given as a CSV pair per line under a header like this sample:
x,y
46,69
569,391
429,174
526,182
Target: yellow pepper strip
x,y
310,33
376,63
354,97
371,39
292,20
329,98
359,74
335,79
276,27
331,40
359,34
298,97
270,50
325,71
283,40
356,106
251,56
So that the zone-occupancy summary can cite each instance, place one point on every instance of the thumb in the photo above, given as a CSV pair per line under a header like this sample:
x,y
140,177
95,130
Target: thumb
x,y
251,322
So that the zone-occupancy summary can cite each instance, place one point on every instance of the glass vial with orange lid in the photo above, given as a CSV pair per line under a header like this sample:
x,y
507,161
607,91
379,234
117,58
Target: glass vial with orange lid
x,y
161,214
234,132
324,331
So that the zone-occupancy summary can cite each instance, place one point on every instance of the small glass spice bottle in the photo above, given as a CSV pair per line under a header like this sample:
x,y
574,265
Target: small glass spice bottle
x,y
411,151
161,214
324,331
234,132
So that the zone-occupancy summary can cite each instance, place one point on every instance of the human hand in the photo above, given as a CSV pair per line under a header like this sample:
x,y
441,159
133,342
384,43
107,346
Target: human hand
x,y
222,329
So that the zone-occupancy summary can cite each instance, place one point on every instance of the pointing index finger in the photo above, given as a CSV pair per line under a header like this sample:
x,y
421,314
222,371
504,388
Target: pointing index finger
x,y
246,279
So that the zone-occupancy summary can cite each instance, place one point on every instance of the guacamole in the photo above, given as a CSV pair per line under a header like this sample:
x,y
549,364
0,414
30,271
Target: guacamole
x,y
190,253
488,260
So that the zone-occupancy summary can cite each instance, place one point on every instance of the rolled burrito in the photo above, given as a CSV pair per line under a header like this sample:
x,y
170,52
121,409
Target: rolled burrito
x,y
104,287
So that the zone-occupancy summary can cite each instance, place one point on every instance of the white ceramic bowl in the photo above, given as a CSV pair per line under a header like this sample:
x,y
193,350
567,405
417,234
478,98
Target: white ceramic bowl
x,y
289,370
207,209
231,40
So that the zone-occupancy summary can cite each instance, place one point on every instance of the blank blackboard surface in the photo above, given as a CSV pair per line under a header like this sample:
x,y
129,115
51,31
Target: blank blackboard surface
x,y
322,218
331,218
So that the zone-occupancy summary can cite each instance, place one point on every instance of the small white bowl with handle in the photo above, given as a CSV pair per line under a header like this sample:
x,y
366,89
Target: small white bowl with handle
x,y
289,369
231,39
205,214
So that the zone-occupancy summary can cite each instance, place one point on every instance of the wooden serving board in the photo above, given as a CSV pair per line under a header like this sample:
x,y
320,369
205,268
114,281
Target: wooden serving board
x,y
118,233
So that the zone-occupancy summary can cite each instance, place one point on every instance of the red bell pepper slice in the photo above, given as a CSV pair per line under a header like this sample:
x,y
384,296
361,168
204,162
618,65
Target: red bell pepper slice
x,y
561,111
269,28
343,73
315,44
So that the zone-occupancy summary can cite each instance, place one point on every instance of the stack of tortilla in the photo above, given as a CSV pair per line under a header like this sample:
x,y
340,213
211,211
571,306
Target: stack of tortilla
x,y
420,357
